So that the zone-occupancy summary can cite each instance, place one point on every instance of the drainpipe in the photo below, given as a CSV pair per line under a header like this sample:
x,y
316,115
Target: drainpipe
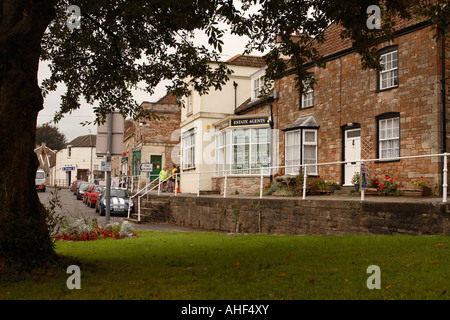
x,y
444,116
444,108
235,94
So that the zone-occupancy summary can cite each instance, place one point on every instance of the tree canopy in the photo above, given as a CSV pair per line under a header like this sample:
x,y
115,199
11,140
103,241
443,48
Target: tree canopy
x,y
53,139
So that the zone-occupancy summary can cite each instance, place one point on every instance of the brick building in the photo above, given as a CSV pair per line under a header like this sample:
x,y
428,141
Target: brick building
x,y
353,114
153,141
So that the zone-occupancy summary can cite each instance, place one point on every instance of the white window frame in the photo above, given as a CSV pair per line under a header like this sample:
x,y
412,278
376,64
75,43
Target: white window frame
x,y
308,96
247,165
189,104
389,138
189,149
292,151
388,76
311,170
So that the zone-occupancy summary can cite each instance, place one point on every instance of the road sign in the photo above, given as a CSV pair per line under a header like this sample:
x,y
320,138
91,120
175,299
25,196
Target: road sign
x,y
68,169
117,122
146,167
105,166
363,176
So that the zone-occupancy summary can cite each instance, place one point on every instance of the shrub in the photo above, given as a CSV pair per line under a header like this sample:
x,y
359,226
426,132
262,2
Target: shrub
x,y
390,187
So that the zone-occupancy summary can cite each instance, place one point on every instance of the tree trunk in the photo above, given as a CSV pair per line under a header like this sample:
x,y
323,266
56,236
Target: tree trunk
x,y
24,237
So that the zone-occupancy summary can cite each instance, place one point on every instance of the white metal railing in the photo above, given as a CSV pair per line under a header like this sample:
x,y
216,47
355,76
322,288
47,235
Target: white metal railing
x,y
147,191
269,170
139,191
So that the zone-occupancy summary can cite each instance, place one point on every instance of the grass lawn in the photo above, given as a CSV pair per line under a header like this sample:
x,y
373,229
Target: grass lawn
x,y
212,266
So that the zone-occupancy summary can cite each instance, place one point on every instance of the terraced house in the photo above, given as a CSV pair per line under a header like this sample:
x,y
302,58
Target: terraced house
x,y
352,114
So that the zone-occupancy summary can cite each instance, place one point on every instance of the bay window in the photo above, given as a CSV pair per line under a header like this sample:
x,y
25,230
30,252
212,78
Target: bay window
x,y
243,151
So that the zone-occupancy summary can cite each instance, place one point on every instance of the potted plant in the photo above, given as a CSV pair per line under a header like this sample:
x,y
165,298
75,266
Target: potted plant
x,y
356,181
423,186
331,186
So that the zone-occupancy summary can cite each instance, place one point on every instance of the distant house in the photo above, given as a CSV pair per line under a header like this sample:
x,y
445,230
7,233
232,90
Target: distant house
x,y
151,141
78,161
47,160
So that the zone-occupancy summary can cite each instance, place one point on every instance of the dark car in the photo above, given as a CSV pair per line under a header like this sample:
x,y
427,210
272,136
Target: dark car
x,y
92,198
87,192
74,185
81,189
119,200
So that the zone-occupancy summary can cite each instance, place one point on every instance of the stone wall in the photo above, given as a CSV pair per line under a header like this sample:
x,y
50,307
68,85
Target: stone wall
x,y
247,185
304,217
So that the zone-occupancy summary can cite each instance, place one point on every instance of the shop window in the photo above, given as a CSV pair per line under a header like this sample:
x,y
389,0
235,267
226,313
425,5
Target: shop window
x,y
243,151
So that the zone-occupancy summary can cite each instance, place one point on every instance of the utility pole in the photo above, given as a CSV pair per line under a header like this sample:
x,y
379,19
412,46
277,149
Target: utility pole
x,y
108,166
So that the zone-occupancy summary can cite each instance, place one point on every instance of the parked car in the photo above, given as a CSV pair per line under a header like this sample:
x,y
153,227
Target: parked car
x,y
119,200
92,198
74,185
40,180
82,188
87,192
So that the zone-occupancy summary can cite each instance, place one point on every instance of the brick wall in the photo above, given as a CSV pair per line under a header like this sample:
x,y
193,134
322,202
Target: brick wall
x,y
347,94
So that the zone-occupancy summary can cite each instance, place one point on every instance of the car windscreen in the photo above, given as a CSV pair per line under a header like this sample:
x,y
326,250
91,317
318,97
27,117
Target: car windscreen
x,y
40,175
83,187
99,189
119,193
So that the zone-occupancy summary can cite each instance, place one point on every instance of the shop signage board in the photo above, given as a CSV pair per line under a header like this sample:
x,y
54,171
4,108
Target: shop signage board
x,y
249,121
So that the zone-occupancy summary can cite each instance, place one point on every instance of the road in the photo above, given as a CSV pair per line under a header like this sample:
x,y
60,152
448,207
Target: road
x,y
73,208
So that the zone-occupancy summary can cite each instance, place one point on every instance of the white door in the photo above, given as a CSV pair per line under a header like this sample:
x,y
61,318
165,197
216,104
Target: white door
x,y
352,153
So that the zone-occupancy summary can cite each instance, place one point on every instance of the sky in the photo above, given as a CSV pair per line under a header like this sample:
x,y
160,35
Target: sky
x,y
71,126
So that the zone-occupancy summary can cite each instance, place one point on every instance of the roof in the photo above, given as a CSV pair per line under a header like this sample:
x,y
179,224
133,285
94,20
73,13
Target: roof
x,y
247,60
84,141
250,104
302,122
334,44
168,98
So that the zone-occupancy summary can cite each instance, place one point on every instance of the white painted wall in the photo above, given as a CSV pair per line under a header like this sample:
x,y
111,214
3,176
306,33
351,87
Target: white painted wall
x,y
81,158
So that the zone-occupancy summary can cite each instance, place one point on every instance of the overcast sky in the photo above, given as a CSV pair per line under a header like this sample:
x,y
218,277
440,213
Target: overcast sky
x,y
71,126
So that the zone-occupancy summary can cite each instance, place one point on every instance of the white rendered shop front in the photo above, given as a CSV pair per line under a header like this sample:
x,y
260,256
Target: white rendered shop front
x,y
244,145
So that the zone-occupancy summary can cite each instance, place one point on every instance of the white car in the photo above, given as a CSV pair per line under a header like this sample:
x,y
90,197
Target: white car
x,y
40,180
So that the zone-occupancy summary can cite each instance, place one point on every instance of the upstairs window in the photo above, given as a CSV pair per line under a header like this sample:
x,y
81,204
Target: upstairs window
x,y
388,76
257,85
307,99
189,104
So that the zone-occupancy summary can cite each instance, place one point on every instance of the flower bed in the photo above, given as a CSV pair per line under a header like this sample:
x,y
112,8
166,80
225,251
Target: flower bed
x,y
79,230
